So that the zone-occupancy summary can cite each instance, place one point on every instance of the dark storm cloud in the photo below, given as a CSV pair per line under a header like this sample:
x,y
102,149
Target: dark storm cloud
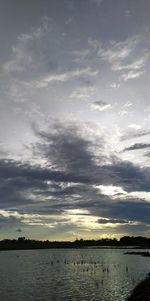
x,y
70,177
19,180
67,149
137,146
129,210
128,175
33,175
134,210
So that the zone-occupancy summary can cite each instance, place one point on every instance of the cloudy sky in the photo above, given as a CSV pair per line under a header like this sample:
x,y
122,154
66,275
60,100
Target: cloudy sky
x,y
74,118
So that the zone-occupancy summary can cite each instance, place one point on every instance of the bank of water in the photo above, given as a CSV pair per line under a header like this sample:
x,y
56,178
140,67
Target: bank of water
x,y
70,274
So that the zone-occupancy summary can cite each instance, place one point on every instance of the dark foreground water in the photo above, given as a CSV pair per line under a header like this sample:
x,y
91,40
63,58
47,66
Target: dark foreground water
x,y
75,275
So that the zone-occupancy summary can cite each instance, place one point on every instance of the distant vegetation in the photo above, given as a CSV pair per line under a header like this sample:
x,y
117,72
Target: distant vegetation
x,y
126,241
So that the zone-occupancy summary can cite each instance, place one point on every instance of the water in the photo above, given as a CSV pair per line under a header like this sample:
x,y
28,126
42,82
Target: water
x,y
70,275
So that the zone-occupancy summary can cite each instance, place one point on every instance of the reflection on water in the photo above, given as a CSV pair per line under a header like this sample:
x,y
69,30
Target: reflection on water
x,y
75,275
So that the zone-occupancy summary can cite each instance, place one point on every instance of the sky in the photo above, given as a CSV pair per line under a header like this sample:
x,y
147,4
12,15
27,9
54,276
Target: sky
x,y
74,119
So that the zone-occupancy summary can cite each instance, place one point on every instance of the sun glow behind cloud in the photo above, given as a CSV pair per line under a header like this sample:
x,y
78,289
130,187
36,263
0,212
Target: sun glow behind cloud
x,y
110,190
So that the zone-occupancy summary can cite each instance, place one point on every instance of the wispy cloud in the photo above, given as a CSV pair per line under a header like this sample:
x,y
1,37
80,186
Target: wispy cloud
x,y
131,75
122,56
137,133
64,76
115,221
137,146
83,92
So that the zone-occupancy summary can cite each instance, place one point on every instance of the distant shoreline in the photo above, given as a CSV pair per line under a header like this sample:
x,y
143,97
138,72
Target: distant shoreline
x,y
76,248
125,242
144,254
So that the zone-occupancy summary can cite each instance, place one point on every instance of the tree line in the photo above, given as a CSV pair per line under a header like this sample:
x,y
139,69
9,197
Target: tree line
x,y
126,241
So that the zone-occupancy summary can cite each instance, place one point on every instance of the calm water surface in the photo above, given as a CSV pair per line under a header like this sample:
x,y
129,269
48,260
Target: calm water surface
x,y
75,275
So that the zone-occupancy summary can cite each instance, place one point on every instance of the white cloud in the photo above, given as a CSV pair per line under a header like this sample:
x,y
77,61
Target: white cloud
x,y
124,56
115,85
83,92
135,65
110,190
37,61
135,126
128,104
35,56
26,53
123,112
116,52
64,76
132,75
140,195
117,192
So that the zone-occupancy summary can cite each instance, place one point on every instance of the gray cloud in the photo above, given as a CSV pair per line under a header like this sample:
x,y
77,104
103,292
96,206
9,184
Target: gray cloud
x,y
66,149
133,210
100,105
135,134
120,56
112,221
137,146
68,179
9,221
